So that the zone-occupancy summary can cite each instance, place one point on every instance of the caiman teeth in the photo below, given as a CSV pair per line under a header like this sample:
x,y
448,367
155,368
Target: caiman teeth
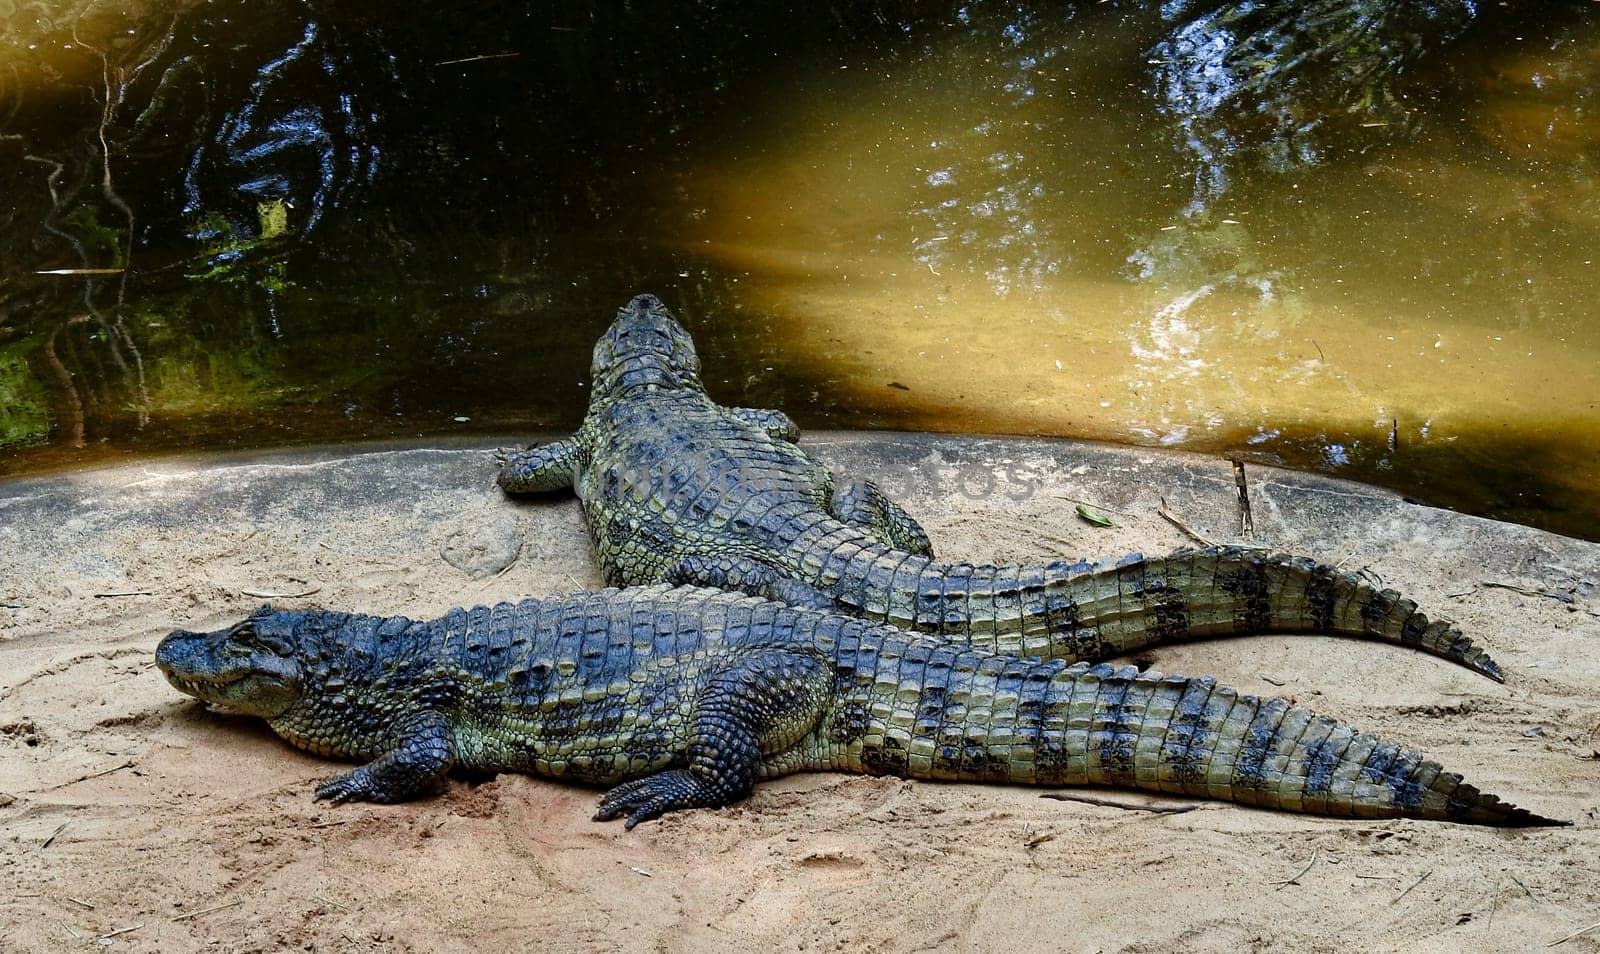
x,y
184,684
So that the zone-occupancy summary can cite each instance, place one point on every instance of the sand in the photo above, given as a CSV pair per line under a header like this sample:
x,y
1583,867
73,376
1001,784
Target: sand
x,y
133,818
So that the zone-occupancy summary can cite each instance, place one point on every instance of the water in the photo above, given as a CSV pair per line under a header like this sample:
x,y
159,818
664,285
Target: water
x,y
1354,237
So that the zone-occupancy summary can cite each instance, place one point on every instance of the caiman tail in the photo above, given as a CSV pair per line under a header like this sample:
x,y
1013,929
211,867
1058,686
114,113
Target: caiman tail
x,y
1093,611
983,718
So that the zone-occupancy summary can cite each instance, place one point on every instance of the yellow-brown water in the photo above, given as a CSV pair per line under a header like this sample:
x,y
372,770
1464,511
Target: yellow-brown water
x,y
975,241
1352,236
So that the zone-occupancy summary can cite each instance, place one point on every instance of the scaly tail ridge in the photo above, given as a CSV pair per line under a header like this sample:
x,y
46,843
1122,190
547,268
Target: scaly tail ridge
x,y
977,717
1091,611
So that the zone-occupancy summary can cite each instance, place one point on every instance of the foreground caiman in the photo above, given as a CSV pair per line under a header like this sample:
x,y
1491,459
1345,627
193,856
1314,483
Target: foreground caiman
x,y
685,698
678,489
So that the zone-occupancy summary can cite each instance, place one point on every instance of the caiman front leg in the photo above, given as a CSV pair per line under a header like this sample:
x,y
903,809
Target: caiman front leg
x,y
538,469
745,575
761,705
778,425
424,750
861,504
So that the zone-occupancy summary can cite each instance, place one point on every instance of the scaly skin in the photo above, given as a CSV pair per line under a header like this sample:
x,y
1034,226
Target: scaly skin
x,y
685,698
678,489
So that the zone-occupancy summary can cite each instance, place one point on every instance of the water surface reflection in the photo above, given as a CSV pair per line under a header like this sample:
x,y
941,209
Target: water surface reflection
x,y
1353,236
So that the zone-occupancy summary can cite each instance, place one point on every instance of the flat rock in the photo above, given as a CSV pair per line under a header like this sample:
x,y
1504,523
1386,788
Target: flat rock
x,y
487,543
95,566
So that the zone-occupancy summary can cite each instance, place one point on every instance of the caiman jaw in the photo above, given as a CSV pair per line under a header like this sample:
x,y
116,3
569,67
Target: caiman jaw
x,y
226,669
202,689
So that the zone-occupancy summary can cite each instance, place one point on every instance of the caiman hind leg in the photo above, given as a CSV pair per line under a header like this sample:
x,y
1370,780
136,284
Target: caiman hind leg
x,y
778,425
761,705
423,750
539,469
857,502
861,504
745,575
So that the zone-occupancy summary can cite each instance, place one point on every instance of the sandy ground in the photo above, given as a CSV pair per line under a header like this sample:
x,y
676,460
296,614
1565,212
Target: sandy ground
x,y
132,818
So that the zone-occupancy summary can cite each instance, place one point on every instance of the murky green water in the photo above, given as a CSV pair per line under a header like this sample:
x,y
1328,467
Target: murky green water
x,y
1358,237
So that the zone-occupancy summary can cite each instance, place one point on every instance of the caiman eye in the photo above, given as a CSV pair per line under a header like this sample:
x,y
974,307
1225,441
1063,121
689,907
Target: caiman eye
x,y
275,643
246,634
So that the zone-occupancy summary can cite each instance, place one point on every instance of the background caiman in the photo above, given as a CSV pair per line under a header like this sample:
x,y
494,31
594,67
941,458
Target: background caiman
x,y
678,489
684,698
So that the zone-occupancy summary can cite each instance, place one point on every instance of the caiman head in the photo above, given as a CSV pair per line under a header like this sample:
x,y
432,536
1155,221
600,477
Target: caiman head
x,y
253,666
644,349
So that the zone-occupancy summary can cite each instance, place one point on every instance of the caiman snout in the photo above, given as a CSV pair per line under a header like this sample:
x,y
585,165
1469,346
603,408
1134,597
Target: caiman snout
x,y
645,347
176,652
254,673
640,304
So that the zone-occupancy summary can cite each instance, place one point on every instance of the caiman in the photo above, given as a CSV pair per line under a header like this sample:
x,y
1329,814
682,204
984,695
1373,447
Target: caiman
x,y
685,698
679,489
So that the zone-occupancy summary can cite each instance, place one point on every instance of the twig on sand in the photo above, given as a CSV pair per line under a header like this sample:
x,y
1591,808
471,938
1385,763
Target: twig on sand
x,y
1525,889
1153,808
1039,839
214,907
269,595
1528,591
114,768
126,930
84,778
1172,518
117,593
1578,932
329,902
55,834
79,902
1299,874
1426,875
238,543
